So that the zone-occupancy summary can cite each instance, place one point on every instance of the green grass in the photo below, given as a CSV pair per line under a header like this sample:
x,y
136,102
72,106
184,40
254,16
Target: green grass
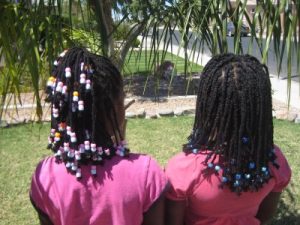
x,y
139,63
23,147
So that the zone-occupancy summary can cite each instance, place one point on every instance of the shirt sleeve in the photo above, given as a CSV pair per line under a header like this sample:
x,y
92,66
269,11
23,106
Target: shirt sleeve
x,y
179,171
40,190
282,175
155,184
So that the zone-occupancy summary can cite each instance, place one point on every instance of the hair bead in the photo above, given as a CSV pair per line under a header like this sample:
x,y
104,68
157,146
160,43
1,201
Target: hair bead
x,y
80,105
73,137
57,137
93,170
93,147
59,86
69,130
66,147
81,148
78,173
77,155
55,113
82,78
68,72
88,84
75,96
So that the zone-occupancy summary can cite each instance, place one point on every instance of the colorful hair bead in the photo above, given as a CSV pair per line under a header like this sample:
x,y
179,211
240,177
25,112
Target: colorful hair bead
x,y
73,137
59,86
55,63
81,66
80,105
100,150
264,169
224,179
68,165
68,72
66,147
81,148
64,90
88,84
57,137
49,143
55,113
247,176
217,168
87,145
238,176
75,96
210,165
71,154
61,126
120,151
107,151
63,53
78,173
74,167
82,78
236,183
69,130
52,132
51,81
124,143
58,153
93,170
251,165
93,147
245,140
77,155
195,150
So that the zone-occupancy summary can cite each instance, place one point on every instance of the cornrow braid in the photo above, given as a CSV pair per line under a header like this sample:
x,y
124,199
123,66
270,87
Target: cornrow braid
x,y
233,121
83,91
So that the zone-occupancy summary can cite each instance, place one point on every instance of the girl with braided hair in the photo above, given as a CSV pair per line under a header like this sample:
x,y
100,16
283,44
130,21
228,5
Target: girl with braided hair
x,y
92,178
230,172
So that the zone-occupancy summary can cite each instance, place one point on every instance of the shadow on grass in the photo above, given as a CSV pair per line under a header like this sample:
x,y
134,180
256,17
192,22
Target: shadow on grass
x,y
287,213
146,85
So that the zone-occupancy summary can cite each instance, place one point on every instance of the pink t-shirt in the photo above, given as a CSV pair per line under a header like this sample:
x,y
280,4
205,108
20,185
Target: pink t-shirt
x,y
123,190
210,205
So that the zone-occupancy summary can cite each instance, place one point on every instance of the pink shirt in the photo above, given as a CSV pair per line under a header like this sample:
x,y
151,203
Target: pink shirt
x,y
123,190
210,205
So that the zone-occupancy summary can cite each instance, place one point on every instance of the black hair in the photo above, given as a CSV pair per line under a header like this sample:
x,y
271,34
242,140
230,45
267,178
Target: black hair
x,y
234,121
83,91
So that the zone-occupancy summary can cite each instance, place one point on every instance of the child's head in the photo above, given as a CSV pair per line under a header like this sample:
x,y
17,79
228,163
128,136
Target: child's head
x,y
234,120
87,109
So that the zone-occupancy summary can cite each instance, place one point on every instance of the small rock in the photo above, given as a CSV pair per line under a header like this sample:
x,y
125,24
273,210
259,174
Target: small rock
x,y
141,113
166,112
189,111
152,116
178,112
285,115
297,120
3,124
130,115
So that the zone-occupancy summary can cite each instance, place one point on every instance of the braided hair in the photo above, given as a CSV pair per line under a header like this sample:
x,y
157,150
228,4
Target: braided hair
x,y
233,121
83,90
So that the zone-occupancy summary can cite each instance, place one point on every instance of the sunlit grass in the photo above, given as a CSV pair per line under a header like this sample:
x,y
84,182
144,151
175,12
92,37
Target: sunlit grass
x,y
140,63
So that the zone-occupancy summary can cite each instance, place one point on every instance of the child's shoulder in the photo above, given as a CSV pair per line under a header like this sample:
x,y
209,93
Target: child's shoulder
x,y
186,163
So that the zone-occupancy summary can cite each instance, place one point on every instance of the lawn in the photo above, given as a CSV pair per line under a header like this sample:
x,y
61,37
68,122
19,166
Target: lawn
x,y
138,63
23,146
